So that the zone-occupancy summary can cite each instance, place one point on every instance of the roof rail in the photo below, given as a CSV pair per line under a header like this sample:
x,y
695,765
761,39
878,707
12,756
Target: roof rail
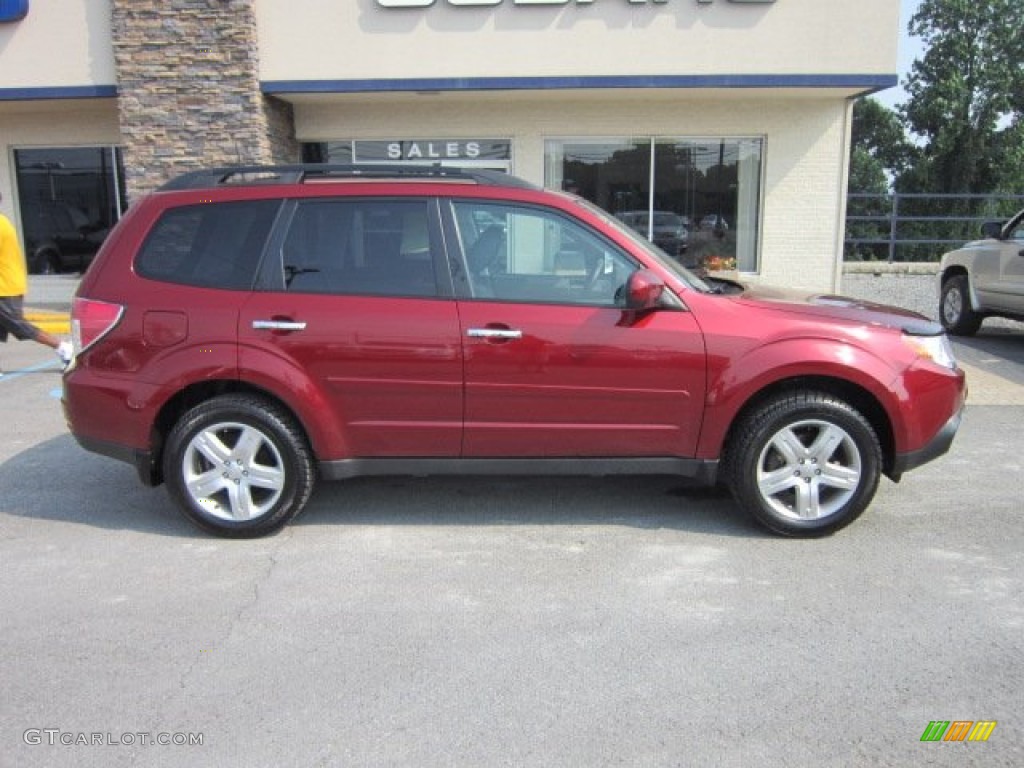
x,y
296,174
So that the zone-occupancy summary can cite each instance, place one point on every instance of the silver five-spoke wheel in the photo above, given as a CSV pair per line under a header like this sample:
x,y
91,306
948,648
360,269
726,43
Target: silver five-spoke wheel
x,y
809,469
238,465
804,463
234,471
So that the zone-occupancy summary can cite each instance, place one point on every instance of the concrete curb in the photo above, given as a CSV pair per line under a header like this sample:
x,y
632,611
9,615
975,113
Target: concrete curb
x,y
890,268
56,323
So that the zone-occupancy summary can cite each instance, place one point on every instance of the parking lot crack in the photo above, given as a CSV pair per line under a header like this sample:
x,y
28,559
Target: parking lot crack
x,y
236,618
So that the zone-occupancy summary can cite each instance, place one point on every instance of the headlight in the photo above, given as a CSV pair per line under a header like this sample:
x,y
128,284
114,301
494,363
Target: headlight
x,y
935,348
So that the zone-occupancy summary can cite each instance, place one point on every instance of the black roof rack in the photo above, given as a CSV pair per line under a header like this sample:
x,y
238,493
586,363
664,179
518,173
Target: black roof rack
x,y
296,174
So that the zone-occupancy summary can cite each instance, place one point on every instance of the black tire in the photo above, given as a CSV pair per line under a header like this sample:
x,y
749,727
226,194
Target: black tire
x,y
238,466
955,311
804,464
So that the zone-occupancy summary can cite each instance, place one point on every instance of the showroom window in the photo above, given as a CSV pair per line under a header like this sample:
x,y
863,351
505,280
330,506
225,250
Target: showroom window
x,y
697,199
68,198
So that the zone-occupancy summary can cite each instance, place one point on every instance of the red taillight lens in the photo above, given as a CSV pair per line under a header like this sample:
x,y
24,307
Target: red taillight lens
x,y
91,320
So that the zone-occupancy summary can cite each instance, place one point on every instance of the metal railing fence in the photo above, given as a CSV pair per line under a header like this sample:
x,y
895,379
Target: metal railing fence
x,y
902,226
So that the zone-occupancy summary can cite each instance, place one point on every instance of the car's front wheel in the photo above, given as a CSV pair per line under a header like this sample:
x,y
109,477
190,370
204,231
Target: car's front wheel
x,y
804,464
955,311
238,466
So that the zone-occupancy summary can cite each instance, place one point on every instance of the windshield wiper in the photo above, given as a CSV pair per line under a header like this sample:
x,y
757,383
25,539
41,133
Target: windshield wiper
x,y
291,272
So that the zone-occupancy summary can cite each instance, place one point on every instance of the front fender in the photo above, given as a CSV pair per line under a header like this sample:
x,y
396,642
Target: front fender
x,y
739,379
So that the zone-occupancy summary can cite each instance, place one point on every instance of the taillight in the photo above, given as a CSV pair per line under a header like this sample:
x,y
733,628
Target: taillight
x,y
91,320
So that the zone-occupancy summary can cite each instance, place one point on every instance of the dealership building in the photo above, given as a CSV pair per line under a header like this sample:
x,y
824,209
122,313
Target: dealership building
x,y
722,126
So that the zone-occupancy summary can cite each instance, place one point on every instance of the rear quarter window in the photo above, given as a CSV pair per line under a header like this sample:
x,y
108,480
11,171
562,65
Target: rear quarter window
x,y
208,245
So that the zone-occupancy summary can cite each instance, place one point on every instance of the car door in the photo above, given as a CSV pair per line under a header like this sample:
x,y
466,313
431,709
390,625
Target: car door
x,y
353,301
1008,294
555,367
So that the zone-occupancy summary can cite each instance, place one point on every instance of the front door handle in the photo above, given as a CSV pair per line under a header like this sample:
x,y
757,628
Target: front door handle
x,y
278,325
496,334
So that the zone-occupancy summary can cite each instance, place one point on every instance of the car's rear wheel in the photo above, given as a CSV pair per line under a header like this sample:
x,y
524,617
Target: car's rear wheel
x,y
804,464
238,466
955,311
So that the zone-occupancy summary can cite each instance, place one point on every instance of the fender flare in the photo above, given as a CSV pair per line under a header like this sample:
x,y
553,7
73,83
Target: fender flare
x,y
733,388
297,392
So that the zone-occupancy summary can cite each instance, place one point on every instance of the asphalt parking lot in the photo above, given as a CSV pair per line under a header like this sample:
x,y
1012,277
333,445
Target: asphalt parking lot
x,y
509,622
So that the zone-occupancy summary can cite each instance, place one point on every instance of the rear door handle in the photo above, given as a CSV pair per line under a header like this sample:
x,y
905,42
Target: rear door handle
x,y
278,325
504,334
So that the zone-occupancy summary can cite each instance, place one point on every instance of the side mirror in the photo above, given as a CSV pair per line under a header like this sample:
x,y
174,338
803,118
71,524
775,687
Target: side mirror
x,y
643,290
993,229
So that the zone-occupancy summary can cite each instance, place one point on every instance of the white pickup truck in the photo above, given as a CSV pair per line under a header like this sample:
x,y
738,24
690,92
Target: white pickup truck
x,y
984,278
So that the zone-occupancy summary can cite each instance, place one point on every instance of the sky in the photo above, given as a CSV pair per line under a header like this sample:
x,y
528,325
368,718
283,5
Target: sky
x,y
910,48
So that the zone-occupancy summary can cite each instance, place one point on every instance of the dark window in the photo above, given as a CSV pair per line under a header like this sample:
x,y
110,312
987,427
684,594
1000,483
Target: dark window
x,y
377,247
216,246
69,199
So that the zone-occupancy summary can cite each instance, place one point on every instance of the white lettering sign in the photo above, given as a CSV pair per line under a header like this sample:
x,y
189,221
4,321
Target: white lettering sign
x,y
432,149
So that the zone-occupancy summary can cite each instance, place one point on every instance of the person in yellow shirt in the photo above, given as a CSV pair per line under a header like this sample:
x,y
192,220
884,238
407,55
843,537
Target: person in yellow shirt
x,y
13,285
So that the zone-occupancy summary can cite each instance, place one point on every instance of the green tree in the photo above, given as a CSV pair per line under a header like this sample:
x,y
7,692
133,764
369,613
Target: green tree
x,y
879,152
867,177
877,132
965,96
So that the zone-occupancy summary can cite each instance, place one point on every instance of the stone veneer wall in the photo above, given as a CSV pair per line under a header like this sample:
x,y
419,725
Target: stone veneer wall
x,y
188,90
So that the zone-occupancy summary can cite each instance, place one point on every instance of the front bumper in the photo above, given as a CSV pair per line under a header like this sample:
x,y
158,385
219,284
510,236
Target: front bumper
x,y
904,462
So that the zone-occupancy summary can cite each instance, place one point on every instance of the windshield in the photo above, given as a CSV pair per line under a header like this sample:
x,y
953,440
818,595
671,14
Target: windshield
x,y
688,277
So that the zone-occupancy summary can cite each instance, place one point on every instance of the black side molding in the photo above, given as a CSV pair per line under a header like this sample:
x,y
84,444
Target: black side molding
x,y
703,471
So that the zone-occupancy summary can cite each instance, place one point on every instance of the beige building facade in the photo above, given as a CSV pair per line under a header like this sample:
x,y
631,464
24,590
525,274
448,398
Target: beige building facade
x,y
718,128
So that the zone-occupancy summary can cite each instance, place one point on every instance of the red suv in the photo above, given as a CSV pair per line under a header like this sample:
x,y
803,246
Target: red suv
x,y
245,331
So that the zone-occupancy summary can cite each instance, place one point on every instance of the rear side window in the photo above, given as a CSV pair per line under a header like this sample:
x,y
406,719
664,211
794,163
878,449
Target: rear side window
x,y
363,247
211,246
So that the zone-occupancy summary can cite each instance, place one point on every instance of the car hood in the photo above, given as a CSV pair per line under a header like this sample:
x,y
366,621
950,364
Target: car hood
x,y
832,307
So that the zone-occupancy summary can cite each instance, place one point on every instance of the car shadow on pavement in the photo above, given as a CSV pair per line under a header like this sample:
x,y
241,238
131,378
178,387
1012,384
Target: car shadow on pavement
x,y
102,493
1007,343
56,480
647,502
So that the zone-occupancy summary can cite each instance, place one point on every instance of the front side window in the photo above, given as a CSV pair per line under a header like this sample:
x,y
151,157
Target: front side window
x,y
524,254
363,247
698,200
1017,228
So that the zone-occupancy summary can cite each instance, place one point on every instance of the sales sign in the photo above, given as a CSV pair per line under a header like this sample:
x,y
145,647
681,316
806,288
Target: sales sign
x,y
432,149
483,3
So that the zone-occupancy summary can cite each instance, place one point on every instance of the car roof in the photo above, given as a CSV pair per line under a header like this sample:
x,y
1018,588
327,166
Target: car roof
x,y
269,175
